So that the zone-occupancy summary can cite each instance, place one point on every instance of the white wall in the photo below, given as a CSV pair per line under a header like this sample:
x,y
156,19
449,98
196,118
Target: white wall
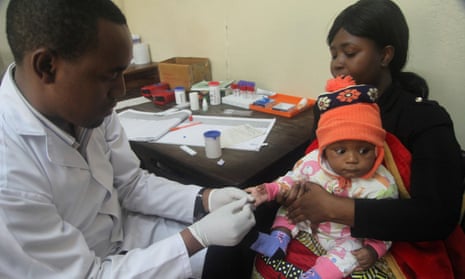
x,y
281,44
5,54
438,53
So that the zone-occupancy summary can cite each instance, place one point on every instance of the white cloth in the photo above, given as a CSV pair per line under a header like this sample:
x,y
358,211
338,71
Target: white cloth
x,y
64,215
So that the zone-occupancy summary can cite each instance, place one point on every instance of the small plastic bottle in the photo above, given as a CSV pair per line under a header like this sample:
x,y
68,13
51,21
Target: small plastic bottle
x,y
140,51
215,95
235,89
212,144
250,89
204,104
243,91
135,40
180,95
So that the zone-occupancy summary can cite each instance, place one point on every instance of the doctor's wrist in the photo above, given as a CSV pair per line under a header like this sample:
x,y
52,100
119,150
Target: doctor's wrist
x,y
191,243
201,204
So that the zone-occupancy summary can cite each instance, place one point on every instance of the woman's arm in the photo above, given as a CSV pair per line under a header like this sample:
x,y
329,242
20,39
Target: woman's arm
x,y
317,205
436,194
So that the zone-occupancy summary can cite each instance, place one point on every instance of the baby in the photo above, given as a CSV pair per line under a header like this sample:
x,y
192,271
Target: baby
x,y
347,164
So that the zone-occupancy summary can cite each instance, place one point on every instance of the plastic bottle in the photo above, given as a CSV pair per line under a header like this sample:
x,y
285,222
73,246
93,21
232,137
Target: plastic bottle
x,y
180,95
235,89
194,100
204,104
215,95
135,40
141,54
242,88
250,88
212,144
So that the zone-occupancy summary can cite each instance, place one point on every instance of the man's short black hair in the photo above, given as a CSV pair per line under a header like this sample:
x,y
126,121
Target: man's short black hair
x,y
66,27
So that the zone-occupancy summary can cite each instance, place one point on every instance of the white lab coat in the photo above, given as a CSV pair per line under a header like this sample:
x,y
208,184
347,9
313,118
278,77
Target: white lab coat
x,y
62,216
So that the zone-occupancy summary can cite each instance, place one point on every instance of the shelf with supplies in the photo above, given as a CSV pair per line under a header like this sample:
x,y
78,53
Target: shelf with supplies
x,y
282,105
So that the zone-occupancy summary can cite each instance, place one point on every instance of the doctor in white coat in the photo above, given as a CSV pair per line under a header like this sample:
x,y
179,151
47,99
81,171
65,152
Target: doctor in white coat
x,y
73,201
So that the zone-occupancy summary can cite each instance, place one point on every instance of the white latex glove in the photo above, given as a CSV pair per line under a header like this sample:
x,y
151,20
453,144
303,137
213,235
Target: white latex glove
x,y
222,196
226,226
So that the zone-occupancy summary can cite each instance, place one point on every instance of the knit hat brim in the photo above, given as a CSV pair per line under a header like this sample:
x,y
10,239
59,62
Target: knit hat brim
x,y
352,122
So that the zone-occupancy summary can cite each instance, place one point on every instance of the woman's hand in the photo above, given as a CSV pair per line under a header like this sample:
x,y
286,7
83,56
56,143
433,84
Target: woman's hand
x,y
288,197
317,205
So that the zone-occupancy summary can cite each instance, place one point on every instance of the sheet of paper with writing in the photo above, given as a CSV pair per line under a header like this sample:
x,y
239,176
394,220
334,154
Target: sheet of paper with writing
x,y
236,132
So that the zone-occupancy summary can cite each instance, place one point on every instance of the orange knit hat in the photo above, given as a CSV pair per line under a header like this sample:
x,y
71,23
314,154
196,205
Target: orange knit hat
x,y
351,114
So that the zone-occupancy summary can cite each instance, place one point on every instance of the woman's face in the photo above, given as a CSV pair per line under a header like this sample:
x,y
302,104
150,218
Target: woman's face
x,y
358,57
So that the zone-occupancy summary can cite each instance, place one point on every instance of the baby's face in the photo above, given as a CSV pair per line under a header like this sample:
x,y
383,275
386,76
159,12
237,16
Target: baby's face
x,y
350,158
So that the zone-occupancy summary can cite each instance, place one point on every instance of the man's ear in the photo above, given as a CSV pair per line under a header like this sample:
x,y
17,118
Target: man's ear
x,y
387,55
44,64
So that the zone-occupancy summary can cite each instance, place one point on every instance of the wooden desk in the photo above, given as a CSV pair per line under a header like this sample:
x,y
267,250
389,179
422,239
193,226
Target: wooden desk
x,y
286,143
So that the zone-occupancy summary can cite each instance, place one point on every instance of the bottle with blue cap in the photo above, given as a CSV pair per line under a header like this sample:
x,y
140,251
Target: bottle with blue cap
x,y
180,95
212,144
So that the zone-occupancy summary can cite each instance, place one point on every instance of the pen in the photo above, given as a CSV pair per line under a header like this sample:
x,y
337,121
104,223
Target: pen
x,y
185,126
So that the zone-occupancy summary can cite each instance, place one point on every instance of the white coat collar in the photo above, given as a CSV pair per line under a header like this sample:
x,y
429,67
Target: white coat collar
x,y
15,109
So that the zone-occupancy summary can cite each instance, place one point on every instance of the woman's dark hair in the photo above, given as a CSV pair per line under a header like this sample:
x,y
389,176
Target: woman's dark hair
x,y
383,22
66,27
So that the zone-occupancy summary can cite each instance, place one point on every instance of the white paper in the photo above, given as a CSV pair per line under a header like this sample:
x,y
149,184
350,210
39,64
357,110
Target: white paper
x,y
131,102
251,132
239,134
146,126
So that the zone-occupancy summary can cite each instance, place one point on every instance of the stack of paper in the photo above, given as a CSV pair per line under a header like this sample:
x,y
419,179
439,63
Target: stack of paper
x,y
146,126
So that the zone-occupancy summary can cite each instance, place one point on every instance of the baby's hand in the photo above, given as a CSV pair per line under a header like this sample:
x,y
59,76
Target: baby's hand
x,y
258,193
366,257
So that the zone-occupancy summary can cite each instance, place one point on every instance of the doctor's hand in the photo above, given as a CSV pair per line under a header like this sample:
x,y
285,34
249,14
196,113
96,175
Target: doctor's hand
x,y
222,196
226,226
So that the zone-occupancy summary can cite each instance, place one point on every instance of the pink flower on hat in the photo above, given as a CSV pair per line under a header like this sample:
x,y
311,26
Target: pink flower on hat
x,y
348,95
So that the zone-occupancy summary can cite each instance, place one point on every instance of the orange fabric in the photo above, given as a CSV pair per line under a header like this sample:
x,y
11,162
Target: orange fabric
x,y
339,82
359,121
402,158
348,112
351,122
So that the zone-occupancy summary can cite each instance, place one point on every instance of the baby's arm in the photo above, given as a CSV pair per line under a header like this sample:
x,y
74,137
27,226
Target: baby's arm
x,y
259,193
267,191
366,257
368,254
279,189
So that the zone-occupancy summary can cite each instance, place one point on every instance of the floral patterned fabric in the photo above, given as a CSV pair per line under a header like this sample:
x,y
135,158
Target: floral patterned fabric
x,y
302,254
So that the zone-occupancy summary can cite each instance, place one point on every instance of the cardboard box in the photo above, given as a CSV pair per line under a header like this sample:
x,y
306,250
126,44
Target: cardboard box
x,y
184,71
